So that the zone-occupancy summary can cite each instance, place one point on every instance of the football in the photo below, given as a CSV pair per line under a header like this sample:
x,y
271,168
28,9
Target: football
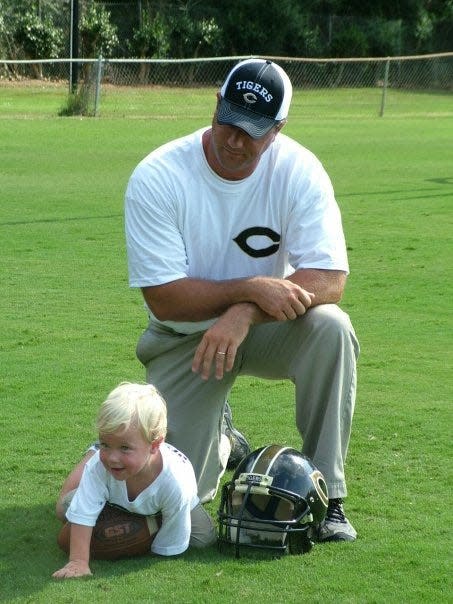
x,y
117,534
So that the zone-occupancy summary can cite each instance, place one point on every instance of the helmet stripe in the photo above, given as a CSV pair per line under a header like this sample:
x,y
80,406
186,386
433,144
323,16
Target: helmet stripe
x,y
267,458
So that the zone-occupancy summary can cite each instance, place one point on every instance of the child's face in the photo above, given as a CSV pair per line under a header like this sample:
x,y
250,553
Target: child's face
x,y
125,453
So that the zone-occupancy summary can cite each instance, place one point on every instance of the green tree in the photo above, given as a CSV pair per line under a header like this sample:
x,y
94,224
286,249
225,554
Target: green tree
x,y
98,37
191,37
349,42
443,34
98,34
256,28
38,38
151,38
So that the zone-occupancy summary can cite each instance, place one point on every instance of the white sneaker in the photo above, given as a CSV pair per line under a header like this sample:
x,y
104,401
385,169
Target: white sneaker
x,y
335,526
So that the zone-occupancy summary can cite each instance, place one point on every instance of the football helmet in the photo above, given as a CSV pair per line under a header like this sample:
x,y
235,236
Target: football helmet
x,y
274,500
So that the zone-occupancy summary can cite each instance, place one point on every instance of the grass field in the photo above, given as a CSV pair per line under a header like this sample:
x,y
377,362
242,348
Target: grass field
x,y
69,325
34,99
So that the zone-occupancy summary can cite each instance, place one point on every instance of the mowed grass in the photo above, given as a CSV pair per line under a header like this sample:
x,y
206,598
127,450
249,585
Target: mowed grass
x,y
69,326
39,99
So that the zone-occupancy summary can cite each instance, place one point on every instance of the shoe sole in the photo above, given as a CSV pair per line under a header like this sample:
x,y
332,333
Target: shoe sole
x,y
337,537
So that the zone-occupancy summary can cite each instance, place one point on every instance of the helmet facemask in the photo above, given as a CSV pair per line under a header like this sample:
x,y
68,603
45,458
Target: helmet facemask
x,y
254,514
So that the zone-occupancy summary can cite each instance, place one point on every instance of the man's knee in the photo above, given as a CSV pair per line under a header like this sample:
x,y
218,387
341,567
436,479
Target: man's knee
x,y
329,316
332,324
203,532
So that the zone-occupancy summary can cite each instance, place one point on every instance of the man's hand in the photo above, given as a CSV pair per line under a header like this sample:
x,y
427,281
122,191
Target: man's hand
x,y
281,299
273,299
220,342
73,569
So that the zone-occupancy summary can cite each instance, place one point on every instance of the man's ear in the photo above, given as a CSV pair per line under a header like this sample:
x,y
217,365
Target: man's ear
x,y
275,130
280,125
218,102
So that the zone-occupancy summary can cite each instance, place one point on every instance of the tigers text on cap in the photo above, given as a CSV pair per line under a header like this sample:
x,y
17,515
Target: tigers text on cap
x,y
255,96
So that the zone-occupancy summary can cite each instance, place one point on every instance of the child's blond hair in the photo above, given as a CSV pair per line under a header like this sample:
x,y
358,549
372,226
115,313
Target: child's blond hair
x,y
134,404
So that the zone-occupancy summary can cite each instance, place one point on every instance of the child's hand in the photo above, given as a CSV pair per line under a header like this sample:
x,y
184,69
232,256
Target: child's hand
x,y
73,569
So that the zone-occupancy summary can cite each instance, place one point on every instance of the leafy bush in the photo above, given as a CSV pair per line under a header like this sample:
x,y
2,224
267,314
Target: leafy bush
x,y
349,42
150,40
38,38
384,37
98,34
192,37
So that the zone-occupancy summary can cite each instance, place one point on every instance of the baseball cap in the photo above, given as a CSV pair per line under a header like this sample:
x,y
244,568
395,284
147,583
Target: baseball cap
x,y
255,96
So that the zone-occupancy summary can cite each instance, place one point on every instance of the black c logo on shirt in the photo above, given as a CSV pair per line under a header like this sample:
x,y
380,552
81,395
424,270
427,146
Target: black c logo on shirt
x,y
241,240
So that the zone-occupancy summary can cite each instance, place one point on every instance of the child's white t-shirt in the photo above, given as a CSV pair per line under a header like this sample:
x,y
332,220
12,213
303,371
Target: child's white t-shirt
x,y
173,493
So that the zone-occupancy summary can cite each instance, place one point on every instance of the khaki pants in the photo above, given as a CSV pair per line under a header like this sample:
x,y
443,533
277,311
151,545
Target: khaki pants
x,y
317,352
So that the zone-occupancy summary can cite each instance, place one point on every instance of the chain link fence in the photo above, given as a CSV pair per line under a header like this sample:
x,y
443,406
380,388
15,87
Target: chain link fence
x,y
148,88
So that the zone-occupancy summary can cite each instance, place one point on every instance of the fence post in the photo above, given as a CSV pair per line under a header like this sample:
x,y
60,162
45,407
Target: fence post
x,y
74,47
99,68
384,87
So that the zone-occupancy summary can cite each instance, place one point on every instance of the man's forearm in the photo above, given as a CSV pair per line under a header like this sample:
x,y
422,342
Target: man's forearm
x,y
277,299
327,285
190,299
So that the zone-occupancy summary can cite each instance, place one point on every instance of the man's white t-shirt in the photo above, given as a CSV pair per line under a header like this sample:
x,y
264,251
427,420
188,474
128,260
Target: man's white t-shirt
x,y
173,493
183,220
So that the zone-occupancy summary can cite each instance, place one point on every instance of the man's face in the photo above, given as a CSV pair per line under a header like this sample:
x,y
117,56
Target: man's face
x,y
234,154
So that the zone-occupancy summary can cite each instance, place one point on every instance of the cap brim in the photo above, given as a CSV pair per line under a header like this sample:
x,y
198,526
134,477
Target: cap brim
x,y
254,124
